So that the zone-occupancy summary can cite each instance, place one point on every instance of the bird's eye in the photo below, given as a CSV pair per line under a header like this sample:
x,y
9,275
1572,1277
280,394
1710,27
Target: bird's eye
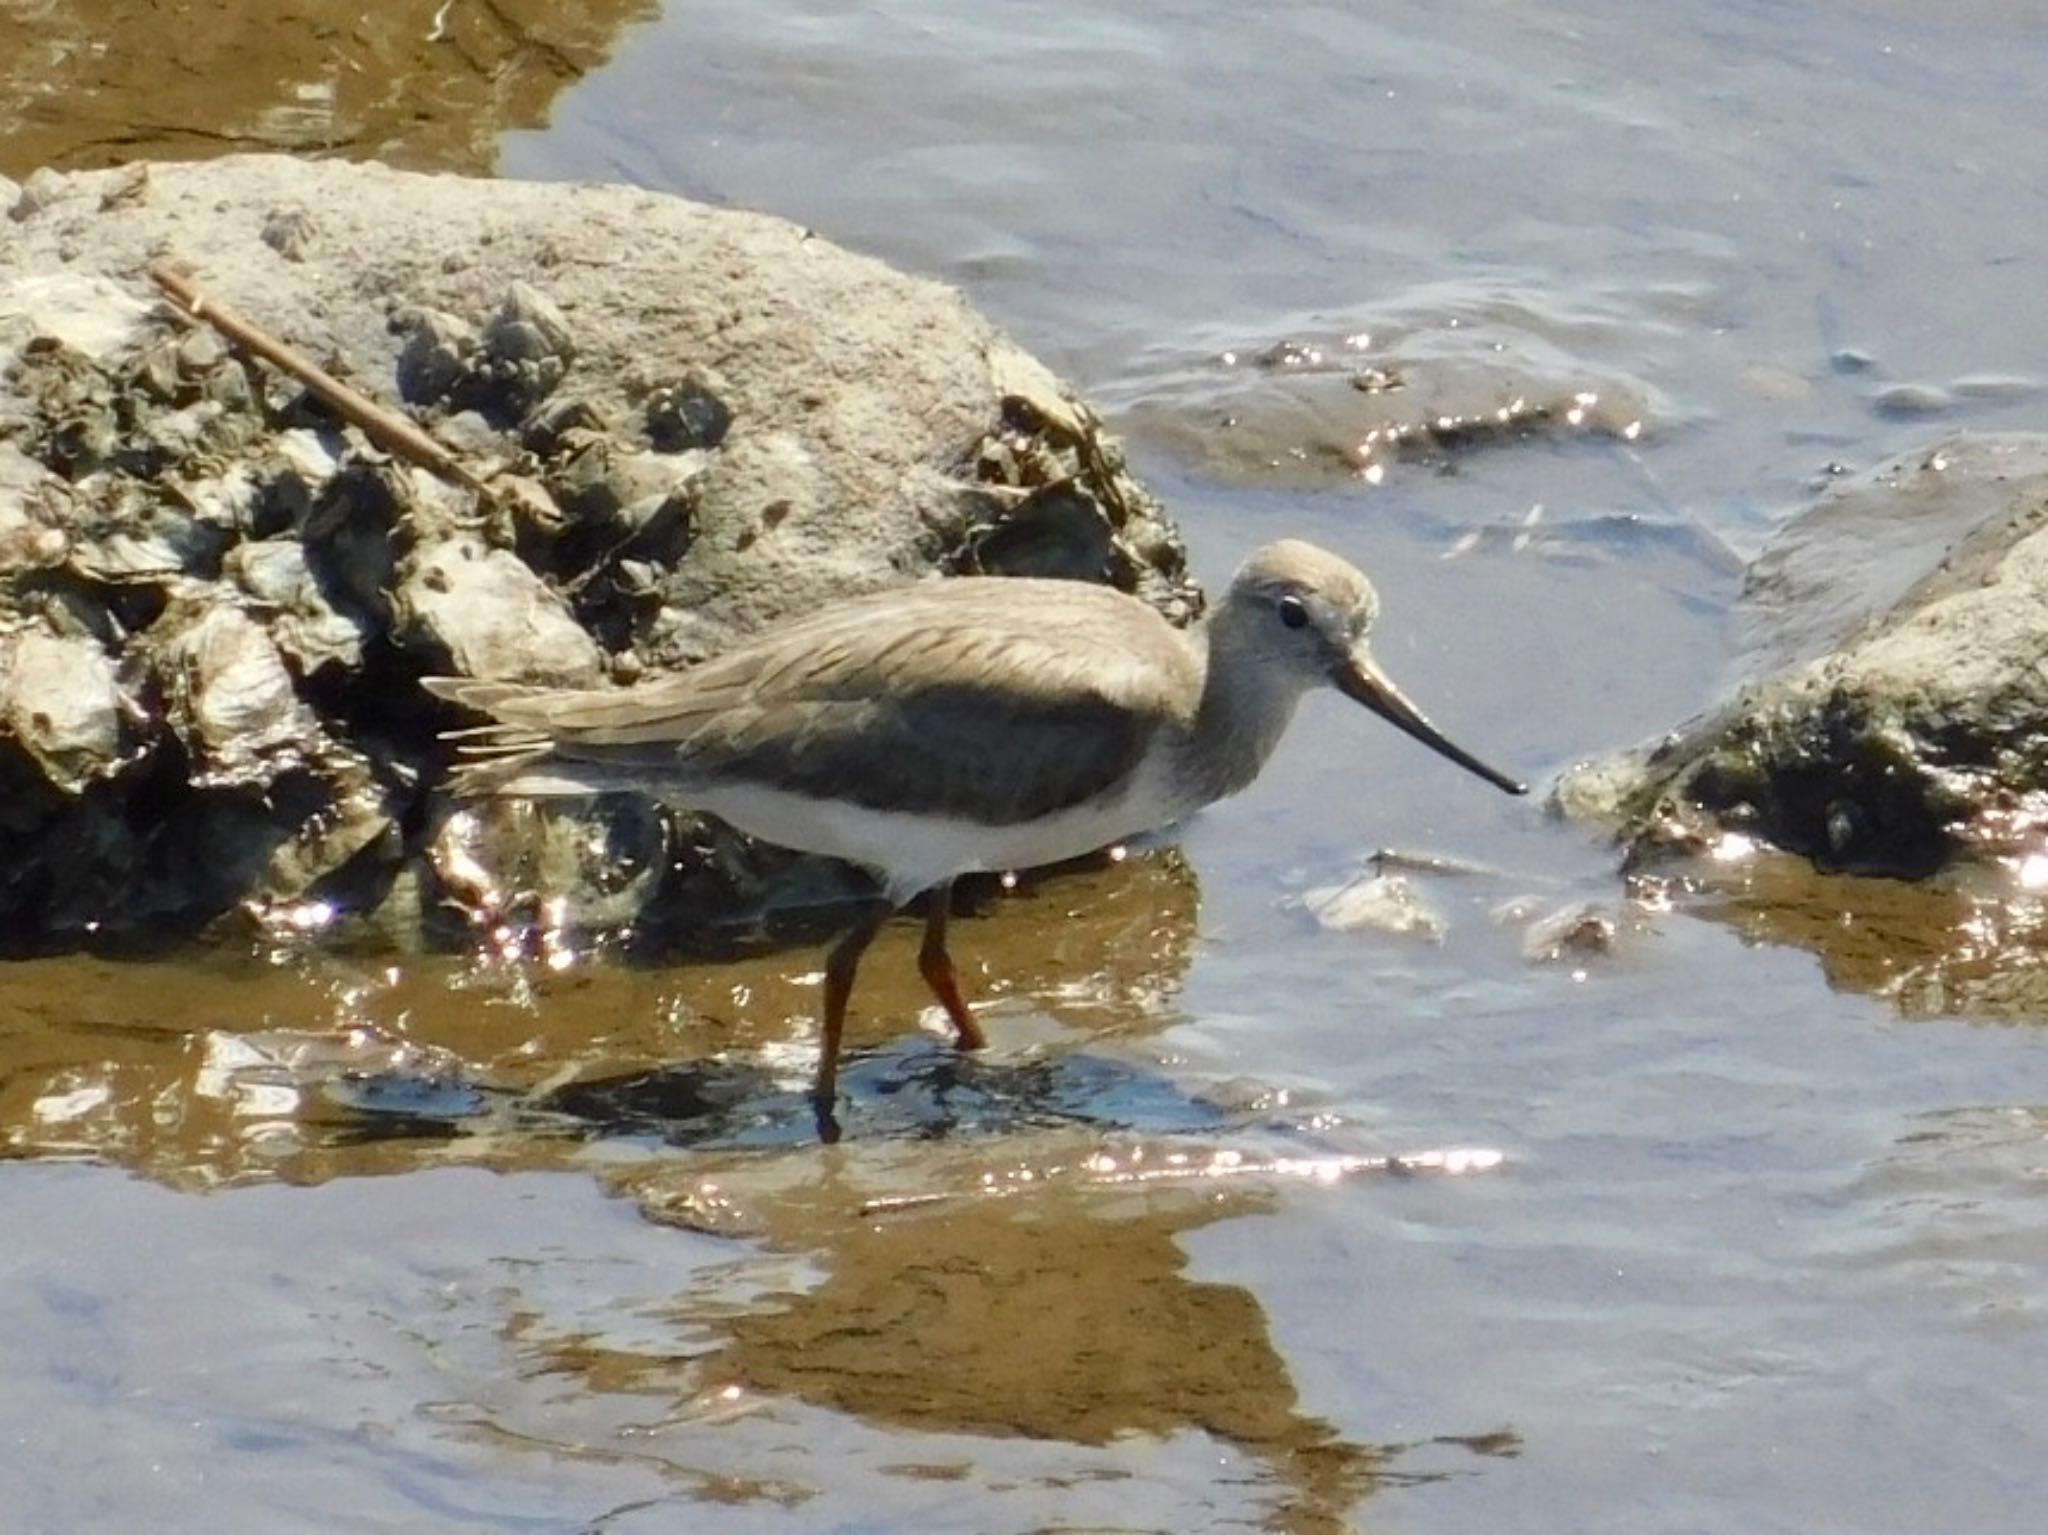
x,y
1293,612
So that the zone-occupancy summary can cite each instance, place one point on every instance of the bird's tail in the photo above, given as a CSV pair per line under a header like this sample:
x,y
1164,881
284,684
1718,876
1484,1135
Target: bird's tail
x,y
505,757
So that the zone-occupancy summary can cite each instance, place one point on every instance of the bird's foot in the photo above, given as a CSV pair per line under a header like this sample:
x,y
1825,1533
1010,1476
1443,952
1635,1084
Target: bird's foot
x,y
826,1117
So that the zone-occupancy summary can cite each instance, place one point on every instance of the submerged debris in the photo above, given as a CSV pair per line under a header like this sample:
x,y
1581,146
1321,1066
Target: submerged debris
x,y
1374,902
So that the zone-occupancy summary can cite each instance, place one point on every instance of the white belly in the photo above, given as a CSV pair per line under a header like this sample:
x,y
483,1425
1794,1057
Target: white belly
x,y
912,853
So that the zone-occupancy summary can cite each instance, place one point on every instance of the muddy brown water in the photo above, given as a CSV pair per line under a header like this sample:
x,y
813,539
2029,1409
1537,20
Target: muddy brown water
x,y
303,1240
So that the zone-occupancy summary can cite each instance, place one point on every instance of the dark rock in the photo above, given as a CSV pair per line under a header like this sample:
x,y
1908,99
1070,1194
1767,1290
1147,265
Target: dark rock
x,y
310,631
687,415
1057,532
439,352
355,531
1921,736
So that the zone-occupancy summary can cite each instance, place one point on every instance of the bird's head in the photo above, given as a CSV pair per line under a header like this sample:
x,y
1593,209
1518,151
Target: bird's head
x,y
1306,615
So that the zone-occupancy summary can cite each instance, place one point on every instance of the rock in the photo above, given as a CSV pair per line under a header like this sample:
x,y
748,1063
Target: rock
x,y
250,589
320,848
33,502
686,415
289,232
44,188
1379,903
228,696
1921,736
600,480
310,631
121,534
1057,532
355,529
60,703
551,866
1437,377
526,350
1912,400
1577,931
480,612
84,312
437,357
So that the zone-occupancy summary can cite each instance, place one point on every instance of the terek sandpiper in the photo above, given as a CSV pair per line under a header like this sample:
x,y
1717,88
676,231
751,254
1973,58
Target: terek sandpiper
x,y
961,725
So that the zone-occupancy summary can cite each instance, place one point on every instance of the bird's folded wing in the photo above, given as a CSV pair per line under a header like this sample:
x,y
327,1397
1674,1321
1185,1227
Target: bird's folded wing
x,y
999,720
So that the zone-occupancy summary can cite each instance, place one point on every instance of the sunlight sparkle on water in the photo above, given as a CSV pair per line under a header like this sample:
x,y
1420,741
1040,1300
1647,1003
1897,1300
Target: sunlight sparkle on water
x,y
57,1108
1732,847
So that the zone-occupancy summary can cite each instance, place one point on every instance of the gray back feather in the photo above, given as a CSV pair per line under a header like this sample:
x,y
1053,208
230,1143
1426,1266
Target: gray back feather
x,y
985,699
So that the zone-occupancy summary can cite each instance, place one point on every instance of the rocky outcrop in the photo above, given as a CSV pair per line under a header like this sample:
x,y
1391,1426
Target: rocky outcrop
x,y
216,597
1901,723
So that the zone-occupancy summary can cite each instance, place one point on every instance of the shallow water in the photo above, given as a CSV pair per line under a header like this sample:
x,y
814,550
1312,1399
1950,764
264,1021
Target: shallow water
x,y
1762,1254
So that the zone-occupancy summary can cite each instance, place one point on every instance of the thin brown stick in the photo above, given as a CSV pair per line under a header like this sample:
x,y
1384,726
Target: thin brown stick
x,y
393,433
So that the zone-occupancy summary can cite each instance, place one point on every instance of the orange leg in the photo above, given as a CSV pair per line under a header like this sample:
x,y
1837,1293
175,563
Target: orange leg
x,y
840,966
936,966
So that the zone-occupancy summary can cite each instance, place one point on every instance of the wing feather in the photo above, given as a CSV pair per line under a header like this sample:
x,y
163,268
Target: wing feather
x,y
997,700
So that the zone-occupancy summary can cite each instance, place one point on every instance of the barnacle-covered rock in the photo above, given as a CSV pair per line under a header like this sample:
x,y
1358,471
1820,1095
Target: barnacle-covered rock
x,y
504,371
439,353
481,612
240,585
312,633
33,507
227,695
126,533
60,703
1902,721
